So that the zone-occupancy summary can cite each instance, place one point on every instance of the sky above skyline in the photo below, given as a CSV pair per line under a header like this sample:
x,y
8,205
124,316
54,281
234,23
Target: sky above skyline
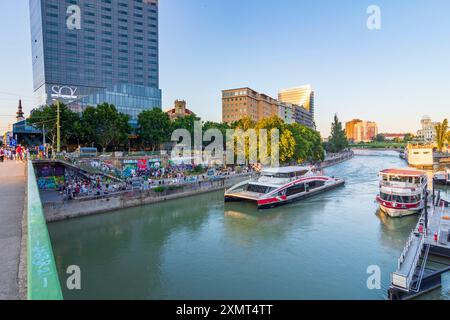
x,y
392,76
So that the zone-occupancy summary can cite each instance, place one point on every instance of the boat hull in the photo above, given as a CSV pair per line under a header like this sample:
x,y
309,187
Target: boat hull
x,y
398,213
300,197
265,204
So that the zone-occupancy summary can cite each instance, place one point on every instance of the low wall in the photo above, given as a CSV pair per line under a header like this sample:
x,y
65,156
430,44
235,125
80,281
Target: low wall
x,y
94,205
43,282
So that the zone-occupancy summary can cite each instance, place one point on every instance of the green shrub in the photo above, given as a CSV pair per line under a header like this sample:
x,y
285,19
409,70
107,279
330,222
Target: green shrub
x,y
159,189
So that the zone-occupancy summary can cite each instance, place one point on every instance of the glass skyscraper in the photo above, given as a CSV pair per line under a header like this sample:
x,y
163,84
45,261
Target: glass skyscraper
x,y
87,52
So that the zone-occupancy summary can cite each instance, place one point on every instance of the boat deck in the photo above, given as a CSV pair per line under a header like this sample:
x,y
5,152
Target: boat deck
x,y
411,277
246,195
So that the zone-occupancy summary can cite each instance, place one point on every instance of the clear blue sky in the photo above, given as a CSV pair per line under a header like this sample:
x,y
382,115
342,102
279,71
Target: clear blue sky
x,y
393,76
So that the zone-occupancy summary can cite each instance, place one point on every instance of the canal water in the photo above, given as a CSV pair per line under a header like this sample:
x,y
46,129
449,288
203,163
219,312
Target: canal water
x,y
201,248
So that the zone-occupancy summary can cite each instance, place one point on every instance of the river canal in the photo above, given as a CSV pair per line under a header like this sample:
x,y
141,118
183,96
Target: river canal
x,y
201,248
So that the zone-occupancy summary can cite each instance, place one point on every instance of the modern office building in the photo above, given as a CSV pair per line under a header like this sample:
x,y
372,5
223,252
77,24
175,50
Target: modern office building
x,y
246,102
361,131
428,131
301,96
291,113
242,102
87,52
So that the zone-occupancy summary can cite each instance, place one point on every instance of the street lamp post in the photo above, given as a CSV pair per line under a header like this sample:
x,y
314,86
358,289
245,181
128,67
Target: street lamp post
x,y
58,128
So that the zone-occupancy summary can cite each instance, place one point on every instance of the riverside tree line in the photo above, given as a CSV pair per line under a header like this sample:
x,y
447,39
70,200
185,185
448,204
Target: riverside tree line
x,y
109,130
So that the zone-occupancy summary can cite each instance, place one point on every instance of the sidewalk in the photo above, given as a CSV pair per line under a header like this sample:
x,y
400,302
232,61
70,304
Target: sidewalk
x,y
12,195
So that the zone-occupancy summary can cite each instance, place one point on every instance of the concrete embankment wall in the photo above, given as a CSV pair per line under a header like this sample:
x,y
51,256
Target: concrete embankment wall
x,y
57,211
337,160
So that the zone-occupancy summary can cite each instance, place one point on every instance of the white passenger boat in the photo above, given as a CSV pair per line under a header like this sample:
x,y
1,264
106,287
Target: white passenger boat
x,y
442,177
402,191
279,186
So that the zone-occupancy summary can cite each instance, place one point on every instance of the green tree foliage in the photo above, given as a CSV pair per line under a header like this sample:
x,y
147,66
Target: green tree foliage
x,y
105,126
222,127
308,143
338,140
70,123
187,123
297,142
380,138
442,134
154,127
245,123
408,137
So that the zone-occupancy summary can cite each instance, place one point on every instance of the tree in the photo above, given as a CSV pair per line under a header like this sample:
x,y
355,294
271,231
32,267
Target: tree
x,y
154,127
380,138
105,126
441,134
222,127
244,123
187,123
287,146
70,123
408,137
308,143
338,140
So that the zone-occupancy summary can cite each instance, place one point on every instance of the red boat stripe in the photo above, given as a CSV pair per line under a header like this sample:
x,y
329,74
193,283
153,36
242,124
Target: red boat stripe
x,y
390,205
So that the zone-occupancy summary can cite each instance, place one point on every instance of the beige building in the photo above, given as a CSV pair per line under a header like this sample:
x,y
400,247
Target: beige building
x,y
242,102
361,131
179,110
420,156
428,131
301,96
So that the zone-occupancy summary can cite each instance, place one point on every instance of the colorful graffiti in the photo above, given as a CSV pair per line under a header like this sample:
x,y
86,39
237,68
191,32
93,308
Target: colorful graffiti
x,y
50,183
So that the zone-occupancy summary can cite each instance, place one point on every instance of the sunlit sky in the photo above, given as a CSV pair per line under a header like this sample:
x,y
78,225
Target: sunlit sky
x,y
393,76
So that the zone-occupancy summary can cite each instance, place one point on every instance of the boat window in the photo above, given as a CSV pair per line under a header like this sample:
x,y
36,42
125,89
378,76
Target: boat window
x,y
276,175
316,184
399,179
301,173
299,188
385,178
399,199
259,189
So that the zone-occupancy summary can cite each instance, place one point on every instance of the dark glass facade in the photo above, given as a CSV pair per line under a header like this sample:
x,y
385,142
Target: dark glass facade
x,y
87,52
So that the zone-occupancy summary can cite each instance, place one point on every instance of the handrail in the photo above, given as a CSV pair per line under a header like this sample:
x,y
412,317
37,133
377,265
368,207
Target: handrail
x,y
422,270
415,262
43,280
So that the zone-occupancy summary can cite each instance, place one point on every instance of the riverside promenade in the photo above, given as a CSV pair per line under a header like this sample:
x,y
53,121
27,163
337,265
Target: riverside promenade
x,y
12,195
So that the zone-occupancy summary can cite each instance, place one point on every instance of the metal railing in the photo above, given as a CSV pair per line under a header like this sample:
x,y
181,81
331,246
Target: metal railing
x,y
43,280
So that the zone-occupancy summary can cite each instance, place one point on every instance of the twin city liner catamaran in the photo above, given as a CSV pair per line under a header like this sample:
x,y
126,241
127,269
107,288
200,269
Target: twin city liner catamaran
x,y
279,186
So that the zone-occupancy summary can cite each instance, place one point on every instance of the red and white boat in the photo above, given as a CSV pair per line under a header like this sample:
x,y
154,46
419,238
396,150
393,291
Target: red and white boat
x,y
279,186
402,191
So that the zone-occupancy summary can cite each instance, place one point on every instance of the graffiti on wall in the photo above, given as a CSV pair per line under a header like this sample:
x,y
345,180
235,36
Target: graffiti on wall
x,y
50,183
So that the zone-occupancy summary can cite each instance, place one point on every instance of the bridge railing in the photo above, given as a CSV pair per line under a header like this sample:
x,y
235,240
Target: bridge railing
x,y
43,280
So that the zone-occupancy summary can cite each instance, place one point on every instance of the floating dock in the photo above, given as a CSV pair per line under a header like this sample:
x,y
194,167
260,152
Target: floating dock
x,y
426,256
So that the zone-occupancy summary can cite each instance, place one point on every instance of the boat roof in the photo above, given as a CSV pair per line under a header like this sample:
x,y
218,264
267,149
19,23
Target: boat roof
x,y
403,172
285,169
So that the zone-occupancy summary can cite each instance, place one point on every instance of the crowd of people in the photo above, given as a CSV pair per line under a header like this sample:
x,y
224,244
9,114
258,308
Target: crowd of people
x,y
76,186
18,153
